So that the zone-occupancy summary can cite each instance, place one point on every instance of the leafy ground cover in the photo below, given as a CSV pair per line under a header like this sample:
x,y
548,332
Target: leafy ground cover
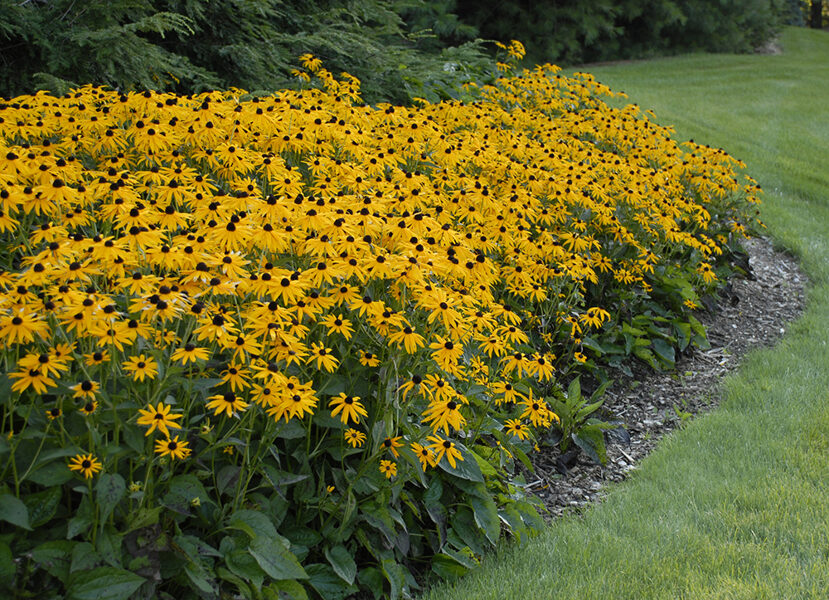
x,y
735,505
295,344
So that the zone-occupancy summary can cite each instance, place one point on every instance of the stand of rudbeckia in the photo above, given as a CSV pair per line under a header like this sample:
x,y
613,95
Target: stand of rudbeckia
x,y
288,343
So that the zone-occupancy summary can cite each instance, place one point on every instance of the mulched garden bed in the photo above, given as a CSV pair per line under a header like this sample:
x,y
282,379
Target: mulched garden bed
x,y
750,314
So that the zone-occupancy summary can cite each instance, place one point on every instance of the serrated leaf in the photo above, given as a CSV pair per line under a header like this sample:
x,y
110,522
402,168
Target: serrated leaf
x,y
12,510
342,562
276,559
103,583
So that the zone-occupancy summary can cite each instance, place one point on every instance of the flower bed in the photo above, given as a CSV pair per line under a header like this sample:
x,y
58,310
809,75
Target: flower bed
x,y
294,345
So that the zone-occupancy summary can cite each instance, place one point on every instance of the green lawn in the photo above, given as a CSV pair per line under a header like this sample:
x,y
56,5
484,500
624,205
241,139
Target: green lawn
x,y
736,505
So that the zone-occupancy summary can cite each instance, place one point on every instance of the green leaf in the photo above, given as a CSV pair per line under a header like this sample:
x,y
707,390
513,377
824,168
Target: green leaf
x,y
327,583
664,351
287,589
108,545
276,559
108,492
82,519
183,489
198,575
84,557
103,583
574,390
372,579
343,563
245,566
394,575
447,567
645,355
464,526
279,478
590,439
7,566
486,516
12,510
243,587
145,517
55,473
254,523
54,558
43,505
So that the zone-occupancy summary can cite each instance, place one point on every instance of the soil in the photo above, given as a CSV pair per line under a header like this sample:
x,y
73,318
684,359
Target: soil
x,y
753,312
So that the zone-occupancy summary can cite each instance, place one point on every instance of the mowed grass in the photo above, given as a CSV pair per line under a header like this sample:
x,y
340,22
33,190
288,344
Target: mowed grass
x,y
735,505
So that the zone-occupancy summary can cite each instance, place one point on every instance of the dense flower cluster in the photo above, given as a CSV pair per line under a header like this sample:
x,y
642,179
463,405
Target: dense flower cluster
x,y
203,267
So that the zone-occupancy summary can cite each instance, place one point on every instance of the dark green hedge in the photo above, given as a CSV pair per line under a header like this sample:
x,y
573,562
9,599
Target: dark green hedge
x,y
398,48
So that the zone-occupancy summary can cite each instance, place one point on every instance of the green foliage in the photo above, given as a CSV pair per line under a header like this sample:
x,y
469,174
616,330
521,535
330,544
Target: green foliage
x,y
577,32
192,46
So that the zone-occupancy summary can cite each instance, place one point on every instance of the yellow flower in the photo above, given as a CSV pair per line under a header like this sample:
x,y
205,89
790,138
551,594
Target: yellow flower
x,y
354,438
516,428
348,407
392,444
388,468
158,417
173,448
85,464
442,447
227,403
424,455
190,353
141,367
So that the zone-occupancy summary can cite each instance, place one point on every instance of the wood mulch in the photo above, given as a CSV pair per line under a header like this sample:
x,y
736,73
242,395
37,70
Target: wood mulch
x,y
751,314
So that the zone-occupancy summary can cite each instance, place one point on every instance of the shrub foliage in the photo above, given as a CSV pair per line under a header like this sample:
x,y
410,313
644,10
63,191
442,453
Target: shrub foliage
x,y
292,345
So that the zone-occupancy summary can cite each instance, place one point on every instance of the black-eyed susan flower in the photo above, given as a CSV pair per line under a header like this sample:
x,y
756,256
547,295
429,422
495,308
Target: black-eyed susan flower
x,y
388,468
174,448
368,359
88,407
86,389
190,353
98,357
442,414
227,403
408,338
21,327
34,378
516,428
348,407
338,324
392,444
141,367
159,417
322,357
354,438
442,447
85,464
236,376
424,455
